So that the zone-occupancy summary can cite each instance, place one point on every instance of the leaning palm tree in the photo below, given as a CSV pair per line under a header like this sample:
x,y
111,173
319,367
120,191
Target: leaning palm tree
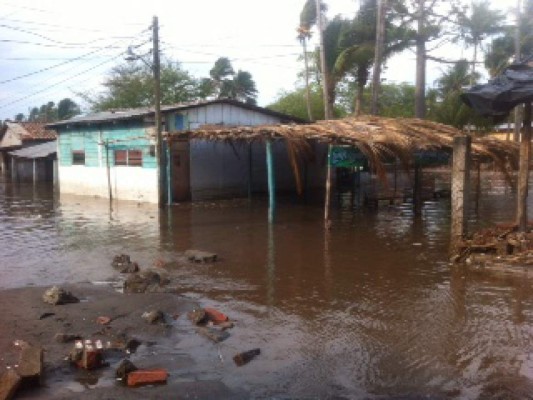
x,y
357,46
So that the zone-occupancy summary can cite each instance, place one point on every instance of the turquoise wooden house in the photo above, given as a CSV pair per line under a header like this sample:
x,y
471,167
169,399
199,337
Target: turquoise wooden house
x,y
112,153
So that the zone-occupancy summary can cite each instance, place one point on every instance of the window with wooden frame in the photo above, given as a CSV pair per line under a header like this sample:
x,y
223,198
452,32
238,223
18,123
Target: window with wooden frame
x,y
78,157
131,158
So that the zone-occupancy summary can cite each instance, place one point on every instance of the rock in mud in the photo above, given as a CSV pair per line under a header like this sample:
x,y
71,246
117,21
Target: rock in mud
x,y
9,383
154,317
66,337
124,264
214,335
58,296
146,281
125,367
30,366
197,316
199,256
245,357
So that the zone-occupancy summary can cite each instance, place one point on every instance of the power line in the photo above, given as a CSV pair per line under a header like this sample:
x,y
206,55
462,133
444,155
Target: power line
x,y
45,44
64,27
17,29
58,83
53,66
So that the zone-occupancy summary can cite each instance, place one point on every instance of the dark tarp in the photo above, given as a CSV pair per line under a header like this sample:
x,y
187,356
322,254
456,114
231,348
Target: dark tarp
x,y
501,94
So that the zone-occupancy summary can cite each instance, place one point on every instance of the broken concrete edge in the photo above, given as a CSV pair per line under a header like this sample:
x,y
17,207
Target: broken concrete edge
x,y
9,383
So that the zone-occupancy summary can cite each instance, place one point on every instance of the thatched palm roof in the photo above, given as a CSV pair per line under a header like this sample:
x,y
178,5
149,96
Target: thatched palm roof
x,y
376,137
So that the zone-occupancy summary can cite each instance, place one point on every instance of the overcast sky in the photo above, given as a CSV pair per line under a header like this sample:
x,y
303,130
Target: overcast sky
x,y
66,47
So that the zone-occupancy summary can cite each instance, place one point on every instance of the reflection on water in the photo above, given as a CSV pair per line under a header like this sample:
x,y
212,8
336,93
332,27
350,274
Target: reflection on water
x,y
368,307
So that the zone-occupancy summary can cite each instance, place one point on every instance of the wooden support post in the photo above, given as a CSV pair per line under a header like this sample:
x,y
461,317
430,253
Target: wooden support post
x,y
108,169
271,181
460,185
13,170
34,172
478,185
168,147
328,185
417,190
250,176
523,175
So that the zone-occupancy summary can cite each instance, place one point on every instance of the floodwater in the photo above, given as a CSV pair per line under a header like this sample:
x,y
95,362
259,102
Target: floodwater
x,y
367,308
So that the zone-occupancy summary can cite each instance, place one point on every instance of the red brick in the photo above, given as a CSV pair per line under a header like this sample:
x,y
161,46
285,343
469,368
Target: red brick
x,y
216,316
147,377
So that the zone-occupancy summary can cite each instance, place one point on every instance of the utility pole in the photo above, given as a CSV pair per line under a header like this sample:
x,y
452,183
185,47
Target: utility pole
x,y
159,151
378,54
328,112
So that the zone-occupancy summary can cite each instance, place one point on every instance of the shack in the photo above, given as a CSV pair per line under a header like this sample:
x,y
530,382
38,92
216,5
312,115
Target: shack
x,y
20,135
36,163
112,154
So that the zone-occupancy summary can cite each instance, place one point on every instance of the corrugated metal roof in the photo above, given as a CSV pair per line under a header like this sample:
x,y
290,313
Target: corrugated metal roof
x,y
136,113
36,151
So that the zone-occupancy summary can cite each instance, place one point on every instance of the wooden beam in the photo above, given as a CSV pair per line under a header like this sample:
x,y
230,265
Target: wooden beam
x,y
523,174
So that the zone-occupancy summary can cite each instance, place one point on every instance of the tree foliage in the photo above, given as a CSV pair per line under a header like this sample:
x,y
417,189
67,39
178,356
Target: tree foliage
x,y
49,112
225,83
132,85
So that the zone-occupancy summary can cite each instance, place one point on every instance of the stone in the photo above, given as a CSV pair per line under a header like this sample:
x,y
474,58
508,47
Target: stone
x,y
147,377
145,281
225,325
154,317
245,357
215,316
199,256
124,368
66,337
9,383
103,320
124,264
58,296
197,316
132,345
30,366
214,335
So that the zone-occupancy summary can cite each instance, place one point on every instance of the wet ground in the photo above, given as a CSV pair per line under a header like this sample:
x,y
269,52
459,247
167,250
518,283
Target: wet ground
x,y
369,308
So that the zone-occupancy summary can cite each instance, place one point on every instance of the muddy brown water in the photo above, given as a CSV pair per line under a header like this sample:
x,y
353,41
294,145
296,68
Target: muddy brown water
x,y
370,308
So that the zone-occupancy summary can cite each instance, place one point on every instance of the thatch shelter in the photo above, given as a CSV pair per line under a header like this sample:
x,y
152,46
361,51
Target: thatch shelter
x,y
379,139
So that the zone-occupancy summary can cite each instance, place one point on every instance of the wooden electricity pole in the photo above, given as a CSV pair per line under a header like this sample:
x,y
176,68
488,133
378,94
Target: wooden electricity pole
x,y
160,153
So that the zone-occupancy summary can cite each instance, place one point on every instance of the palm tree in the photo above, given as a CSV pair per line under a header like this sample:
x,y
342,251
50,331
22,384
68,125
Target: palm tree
x,y
481,23
226,84
358,44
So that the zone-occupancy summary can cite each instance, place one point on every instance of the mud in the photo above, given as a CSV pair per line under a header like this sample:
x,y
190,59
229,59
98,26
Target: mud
x,y
21,315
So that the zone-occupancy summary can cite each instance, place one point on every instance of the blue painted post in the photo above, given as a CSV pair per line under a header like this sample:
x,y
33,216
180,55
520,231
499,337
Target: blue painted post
x,y
169,177
271,181
328,186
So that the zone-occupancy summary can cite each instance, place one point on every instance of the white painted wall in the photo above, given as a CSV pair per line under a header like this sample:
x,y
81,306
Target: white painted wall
x,y
127,183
